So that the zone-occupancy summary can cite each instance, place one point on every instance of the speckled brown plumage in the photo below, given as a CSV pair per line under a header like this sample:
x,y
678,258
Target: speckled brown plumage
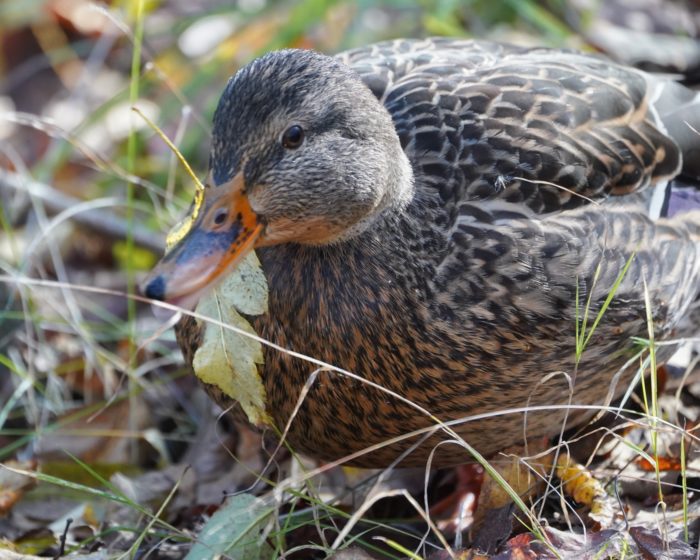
x,y
529,172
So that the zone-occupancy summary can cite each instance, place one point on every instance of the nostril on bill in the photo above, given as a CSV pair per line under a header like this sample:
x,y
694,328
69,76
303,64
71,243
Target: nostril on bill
x,y
155,289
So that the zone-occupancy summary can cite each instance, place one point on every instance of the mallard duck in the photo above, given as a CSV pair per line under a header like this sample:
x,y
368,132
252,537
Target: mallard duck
x,y
435,216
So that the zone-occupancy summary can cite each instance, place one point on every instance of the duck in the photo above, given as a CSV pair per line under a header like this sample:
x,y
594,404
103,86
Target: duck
x,y
438,216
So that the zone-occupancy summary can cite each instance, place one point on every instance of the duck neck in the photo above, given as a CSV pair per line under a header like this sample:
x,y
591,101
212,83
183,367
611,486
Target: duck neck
x,y
397,192
399,182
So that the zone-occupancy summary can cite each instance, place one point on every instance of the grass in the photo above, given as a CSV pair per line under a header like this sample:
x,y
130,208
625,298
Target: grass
x,y
70,320
132,156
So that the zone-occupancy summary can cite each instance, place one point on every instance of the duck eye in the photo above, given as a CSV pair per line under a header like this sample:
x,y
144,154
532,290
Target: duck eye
x,y
293,137
220,216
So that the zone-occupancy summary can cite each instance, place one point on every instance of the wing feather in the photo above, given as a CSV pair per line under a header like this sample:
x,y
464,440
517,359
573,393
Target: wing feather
x,y
547,129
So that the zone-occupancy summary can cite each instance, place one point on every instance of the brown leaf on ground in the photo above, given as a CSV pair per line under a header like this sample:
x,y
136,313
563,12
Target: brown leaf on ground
x,y
13,485
664,464
524,547
564,544
223,462
652,546
495,529
599,544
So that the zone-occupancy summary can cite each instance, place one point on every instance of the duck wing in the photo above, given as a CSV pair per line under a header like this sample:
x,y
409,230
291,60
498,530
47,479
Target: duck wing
x,y
541,129
537,161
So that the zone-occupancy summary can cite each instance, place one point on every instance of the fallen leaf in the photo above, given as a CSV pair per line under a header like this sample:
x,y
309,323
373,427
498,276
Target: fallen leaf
x,y
152,488
653,547
496,527
236,530
664,464
13,485
593,545
35,541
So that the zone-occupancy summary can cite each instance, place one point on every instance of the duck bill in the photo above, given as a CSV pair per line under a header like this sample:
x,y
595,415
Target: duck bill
x,y
208,251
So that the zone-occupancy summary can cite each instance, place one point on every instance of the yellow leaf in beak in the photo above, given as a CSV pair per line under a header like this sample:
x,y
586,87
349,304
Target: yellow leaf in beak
x,y
227,359
179,230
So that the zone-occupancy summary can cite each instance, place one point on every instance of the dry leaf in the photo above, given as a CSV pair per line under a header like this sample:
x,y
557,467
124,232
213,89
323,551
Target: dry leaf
x,y
13,485
227,359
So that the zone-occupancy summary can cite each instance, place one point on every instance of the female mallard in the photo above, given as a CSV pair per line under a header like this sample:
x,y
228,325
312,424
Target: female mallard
x,y
427,213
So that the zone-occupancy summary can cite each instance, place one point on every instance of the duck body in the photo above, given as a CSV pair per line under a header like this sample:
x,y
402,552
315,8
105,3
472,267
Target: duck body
x,y
536,177
495,346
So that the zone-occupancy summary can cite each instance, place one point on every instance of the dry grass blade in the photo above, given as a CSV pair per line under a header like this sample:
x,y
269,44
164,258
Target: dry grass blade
x,y
86,214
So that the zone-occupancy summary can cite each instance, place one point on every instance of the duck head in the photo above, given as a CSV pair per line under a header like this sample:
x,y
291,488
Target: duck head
x,y
302,152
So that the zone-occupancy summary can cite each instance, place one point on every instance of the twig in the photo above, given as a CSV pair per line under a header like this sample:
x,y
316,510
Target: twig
x,y
97,220
62,548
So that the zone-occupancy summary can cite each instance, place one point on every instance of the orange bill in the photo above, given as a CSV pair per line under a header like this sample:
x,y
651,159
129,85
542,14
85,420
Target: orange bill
x,y
224,231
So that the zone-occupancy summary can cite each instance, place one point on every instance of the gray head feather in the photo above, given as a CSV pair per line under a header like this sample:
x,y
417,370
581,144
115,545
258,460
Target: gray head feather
x,y
349,168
